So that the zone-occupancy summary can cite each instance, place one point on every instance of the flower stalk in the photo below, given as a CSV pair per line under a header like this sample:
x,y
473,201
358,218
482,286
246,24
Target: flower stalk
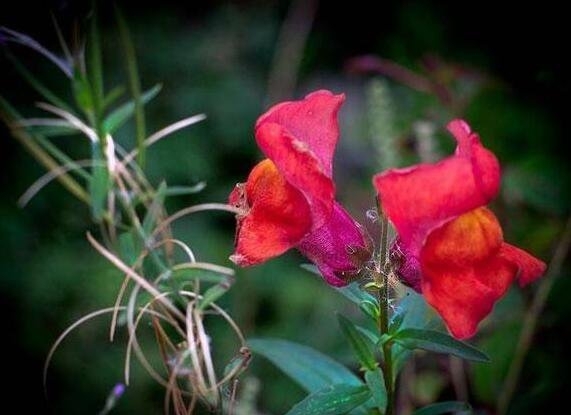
x,y
381,275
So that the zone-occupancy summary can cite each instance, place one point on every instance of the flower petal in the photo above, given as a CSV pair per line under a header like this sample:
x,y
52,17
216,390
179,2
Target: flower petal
x,y
276,215
465,270
312,121
421,198
300,168
530,268
339,248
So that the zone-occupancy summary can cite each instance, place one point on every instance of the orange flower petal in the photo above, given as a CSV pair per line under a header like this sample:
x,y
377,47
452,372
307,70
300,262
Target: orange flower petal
x,y
276,215
530,268
465,270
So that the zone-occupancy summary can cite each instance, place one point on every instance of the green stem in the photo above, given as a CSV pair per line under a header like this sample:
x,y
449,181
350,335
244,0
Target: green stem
x,y
381,280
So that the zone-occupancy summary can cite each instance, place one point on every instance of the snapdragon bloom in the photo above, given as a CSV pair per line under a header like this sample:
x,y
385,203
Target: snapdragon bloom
x,y
289,198
450,246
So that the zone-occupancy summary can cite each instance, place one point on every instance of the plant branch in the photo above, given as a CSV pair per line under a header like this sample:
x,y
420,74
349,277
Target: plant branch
x,y
531,319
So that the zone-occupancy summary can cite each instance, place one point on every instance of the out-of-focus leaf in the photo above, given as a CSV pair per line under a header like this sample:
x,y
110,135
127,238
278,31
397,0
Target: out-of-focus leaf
x,y
443,408
376,383
309,368
185,190
183,276
413,312
95,71
359,343
129,247
500,342
82,91
356,294
98,183
38,86
540,182
112,96
154,209
214,293
119,116
134,84
371,309
332,400
53,130
438,342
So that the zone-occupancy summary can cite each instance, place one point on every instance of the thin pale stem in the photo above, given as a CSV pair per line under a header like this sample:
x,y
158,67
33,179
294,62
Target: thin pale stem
x,y
531,319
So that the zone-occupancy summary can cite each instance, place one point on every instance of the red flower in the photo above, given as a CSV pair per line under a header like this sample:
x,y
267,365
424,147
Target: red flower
x,y
288,200
451,246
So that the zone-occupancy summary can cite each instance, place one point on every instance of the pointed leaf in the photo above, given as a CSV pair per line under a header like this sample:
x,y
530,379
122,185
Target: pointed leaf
x,y
129,247
438,342
443,408
134,84
214,293
185,190
415,313
37,85
332,400
356,294
359,343
82,91
119,116
309,368
183,276
371,309
112,96
98,183
95,65
376,383
154,209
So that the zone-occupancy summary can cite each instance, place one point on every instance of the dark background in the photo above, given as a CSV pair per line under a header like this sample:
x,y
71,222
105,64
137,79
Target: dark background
x,y
215,57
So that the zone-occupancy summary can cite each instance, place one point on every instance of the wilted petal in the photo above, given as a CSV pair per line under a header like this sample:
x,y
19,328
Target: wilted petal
x,y
339,248
275,215
421,198
312,121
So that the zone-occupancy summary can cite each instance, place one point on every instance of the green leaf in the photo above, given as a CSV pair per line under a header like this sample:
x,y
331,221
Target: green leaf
x,y
134,84
95,68
154,209
309,368
183,276
53,130
112,96
214,293
415,313
376,383
185,190
46,93
119,116
129,247
356,294
443,408
98,183
371,309
332,400
82,92
359,343
438,342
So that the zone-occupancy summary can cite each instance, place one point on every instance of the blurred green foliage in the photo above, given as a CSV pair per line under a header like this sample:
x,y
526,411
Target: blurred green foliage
x,y
215,58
